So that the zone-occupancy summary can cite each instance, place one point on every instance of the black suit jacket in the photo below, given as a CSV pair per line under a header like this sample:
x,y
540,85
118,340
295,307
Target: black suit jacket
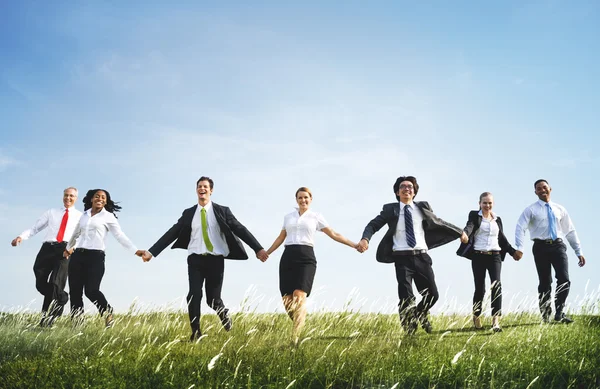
x,y
230,227
437,231
466,250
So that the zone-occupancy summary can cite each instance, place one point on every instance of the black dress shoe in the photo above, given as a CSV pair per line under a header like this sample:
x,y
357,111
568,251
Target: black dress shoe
x,y
562,318
410,327
195,336
225,319
426,325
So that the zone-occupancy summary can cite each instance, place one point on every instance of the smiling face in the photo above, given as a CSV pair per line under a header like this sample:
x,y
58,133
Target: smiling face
x,y
542,190
98,201
406,192
203,191
486,203
69,197
303,199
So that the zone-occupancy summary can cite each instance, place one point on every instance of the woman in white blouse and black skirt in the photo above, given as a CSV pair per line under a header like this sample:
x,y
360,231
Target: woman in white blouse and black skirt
x,y
298,263
86,264
486,249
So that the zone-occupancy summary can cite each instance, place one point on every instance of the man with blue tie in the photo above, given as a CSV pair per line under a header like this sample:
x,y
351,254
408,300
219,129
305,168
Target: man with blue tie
x,y
413,229
548,224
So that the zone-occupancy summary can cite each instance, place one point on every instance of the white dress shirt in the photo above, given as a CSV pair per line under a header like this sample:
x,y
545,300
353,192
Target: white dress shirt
x,y
217,238
300,229
51,220
91,231
535,219
486,237
400,243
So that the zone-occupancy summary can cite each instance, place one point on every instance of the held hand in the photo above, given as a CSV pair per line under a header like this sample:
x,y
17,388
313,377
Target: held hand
x,y
67,253
518,255
581,261
16,241
146,255
262,255
464,238
362,246
140,253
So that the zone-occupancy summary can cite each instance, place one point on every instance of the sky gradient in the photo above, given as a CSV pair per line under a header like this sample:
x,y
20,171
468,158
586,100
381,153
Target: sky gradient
x,y
143,98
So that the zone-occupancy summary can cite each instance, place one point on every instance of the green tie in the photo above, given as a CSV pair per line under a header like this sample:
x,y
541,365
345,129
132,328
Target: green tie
x,y
209,245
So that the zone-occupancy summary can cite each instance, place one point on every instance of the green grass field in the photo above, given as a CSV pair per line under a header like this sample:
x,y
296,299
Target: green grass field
x,y
338,350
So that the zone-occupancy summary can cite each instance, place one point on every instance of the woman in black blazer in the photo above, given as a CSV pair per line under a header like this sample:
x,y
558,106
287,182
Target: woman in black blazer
x,y
486,248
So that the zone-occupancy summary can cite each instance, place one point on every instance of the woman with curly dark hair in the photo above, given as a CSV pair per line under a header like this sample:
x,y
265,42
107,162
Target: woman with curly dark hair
x,y
86,264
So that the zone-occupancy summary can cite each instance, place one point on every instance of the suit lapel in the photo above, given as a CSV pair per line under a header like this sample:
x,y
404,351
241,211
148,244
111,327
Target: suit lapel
x,y
189,217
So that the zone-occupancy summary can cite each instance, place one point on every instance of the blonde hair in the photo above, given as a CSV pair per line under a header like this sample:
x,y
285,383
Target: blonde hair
x,y
304,189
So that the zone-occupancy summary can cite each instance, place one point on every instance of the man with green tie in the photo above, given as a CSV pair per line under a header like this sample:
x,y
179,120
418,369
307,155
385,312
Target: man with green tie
x,y
210,233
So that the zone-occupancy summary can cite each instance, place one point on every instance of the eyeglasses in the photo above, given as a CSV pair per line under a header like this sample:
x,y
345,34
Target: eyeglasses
x,y
409,187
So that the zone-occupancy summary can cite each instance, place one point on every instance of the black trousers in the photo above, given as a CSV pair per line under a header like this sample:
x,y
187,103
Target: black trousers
x,y
207,271
415,268
548,256
51,270
492,264
86,269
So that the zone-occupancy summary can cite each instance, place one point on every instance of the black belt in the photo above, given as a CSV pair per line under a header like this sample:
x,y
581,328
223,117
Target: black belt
x,y
55,243
409,252
492,252
82,250
208,255
548,241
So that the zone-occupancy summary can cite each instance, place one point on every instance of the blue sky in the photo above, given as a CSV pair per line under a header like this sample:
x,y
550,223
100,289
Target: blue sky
x,y
142,99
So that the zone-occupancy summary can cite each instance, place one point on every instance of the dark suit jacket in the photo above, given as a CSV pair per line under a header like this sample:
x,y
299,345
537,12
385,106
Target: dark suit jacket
x,y
466,250
230,227
437,231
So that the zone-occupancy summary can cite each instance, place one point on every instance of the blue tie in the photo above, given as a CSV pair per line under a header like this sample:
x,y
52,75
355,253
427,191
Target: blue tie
x,y
408,223
551,222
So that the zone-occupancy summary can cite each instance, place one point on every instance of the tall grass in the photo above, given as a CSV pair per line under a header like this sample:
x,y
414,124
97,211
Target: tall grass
x,y
338,350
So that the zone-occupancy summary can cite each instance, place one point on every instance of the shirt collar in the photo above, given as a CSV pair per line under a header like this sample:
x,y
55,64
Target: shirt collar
x,y
494,217
208,206
89,211
543,203
402,205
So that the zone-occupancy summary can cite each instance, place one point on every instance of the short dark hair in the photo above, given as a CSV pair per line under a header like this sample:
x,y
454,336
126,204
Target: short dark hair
x,y
204,178
412,179
110,205
538,181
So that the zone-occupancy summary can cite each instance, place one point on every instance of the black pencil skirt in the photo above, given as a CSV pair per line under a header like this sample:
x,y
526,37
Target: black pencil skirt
x,y
297,269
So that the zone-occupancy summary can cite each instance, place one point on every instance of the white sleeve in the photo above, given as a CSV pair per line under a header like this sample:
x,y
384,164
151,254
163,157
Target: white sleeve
x,y
74,237
567,227
39,225
321,222
522,226
115,229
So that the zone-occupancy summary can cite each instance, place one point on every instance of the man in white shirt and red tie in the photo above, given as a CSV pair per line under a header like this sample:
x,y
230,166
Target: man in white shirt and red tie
x,y
50,268
549,224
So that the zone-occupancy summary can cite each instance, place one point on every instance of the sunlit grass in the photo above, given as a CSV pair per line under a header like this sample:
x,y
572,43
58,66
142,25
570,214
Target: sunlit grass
x,y
338,350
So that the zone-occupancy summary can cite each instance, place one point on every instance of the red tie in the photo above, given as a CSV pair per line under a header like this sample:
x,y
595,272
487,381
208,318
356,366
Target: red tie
x,y
63,226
